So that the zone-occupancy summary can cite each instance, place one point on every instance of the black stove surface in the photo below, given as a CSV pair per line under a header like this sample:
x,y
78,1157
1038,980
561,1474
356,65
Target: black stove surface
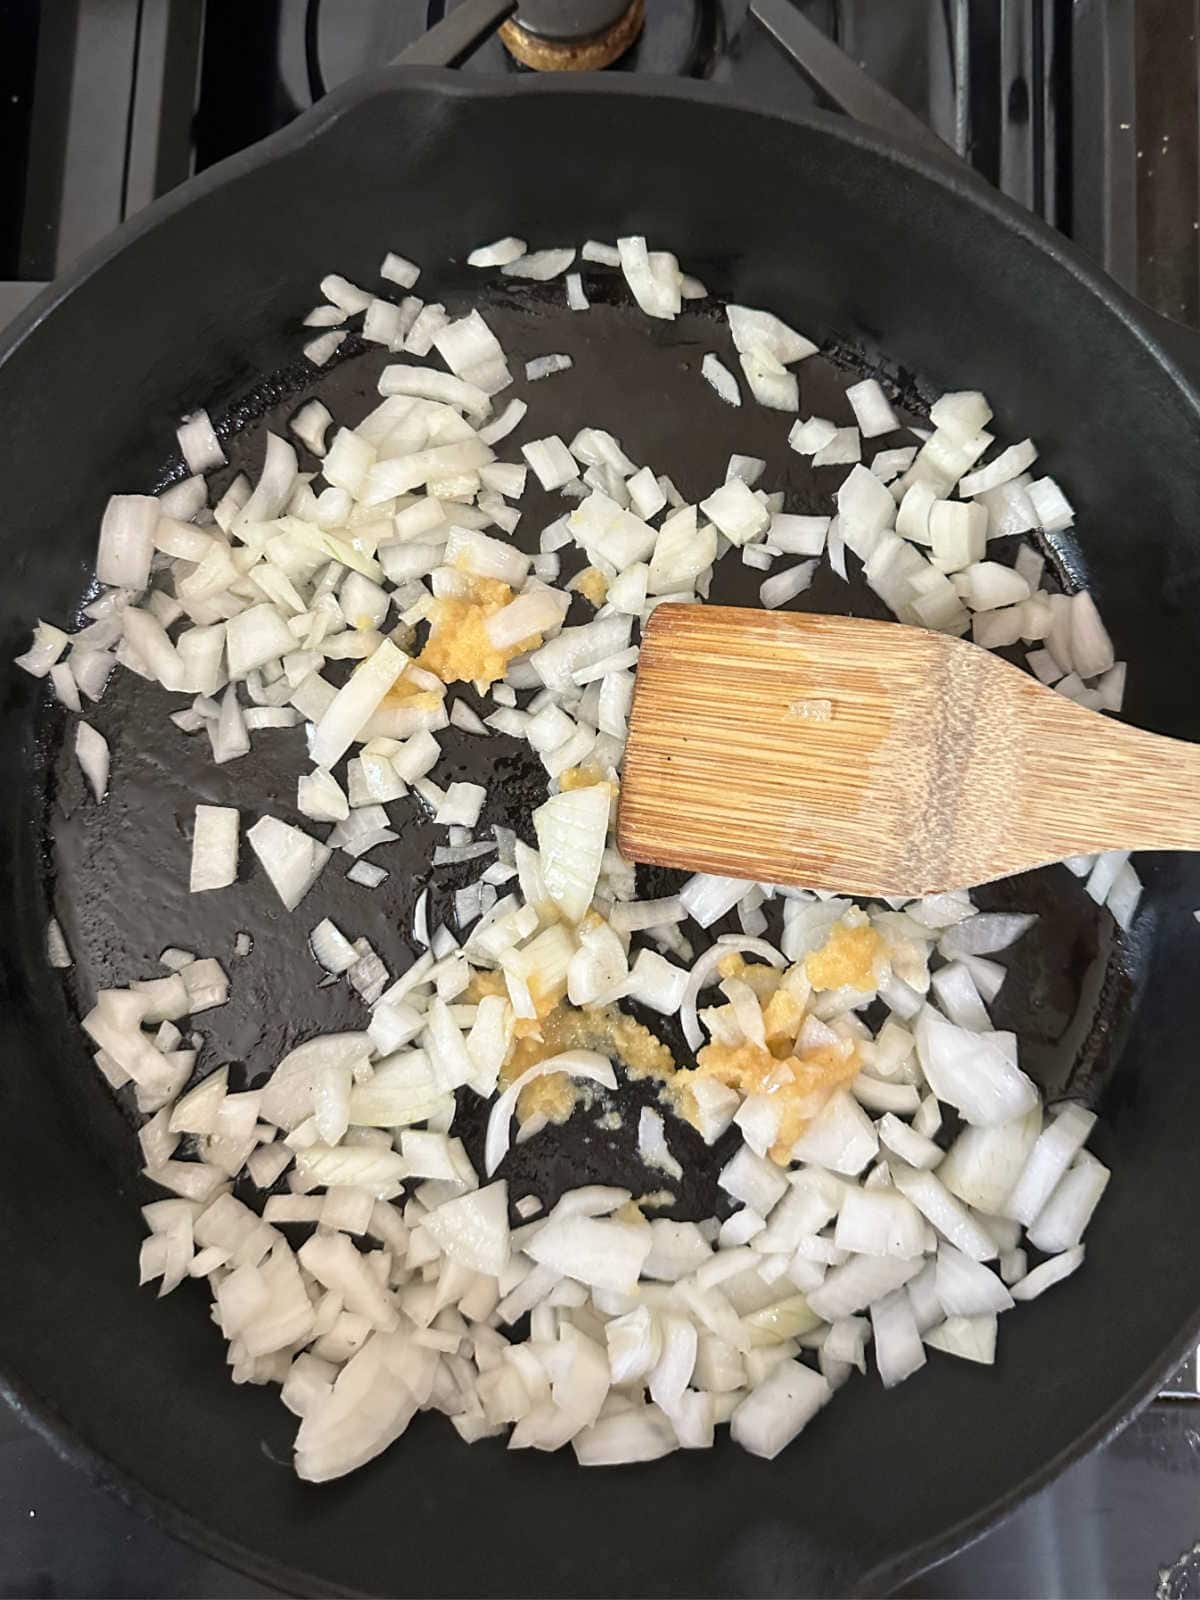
x,y
1085,111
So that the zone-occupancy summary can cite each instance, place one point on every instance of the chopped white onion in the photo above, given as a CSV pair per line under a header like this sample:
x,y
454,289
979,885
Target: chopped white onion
x,y
499,254
717,374
127,540
214,848
48,645
291,859
785,586
198,443
321,350
973,1071
91,751
551,461
1048,1274
872,409
540,265
397,270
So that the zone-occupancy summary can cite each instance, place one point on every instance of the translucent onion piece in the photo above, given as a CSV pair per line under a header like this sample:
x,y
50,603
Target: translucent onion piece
x,y
575,1063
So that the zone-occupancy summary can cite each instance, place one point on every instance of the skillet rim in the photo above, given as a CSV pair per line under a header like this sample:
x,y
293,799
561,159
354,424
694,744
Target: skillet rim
x,y
1159,338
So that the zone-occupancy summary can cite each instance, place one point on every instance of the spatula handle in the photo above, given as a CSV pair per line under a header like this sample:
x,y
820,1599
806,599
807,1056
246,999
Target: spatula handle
x,y
1101,785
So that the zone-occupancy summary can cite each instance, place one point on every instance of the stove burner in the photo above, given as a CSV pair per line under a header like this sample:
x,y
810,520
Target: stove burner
x,y
570,21
664,38
551,36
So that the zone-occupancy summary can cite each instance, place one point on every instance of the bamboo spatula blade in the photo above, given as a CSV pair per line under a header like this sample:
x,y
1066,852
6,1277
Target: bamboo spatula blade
x,y
875,759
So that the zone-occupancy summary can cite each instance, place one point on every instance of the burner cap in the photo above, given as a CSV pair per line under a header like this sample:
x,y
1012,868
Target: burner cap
x,y
573,35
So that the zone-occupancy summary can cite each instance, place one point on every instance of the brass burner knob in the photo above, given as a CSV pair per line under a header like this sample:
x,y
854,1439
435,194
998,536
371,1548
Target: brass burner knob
x,y
588,54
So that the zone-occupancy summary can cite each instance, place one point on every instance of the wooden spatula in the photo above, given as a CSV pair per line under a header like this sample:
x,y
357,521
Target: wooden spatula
x,y
876,759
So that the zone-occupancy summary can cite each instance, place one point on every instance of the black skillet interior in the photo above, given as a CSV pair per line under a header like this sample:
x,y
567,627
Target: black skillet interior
x,y
871,255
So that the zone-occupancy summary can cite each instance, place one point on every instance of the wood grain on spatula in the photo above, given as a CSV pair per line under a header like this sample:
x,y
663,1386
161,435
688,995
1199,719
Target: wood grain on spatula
x,y
876,759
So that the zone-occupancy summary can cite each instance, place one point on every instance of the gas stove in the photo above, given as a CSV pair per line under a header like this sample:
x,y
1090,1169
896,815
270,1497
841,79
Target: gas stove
x,y
1083,112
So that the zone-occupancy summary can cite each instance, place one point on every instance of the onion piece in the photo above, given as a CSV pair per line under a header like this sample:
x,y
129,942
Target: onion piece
x,y
397,270
597,1251
540,265
198,443
551,461
965,1287
471,350
811,436
879,1222
355,703
571,829
546,365
291,859
1054,511
275,483
367,874
498,254
324,316
768,383
644,1433
707,897
228,734
717,374
57,953
872,409
948,1215
889,464
845,448
1091,648
66,690
427,384
983,1164
333,951
504,424
575,1063
1056,1147
1062,1220
472,1230
1124,896
321,350
759,332
704,972
899,1351
214,848
840,1137
1008,464
652,1144
461,805
91,751
185,500
310,425
657,291
48,645
779,1408
970,1338
127,540
785,586
341,292
737,512
984,934
798,536
1049,1273
975,1072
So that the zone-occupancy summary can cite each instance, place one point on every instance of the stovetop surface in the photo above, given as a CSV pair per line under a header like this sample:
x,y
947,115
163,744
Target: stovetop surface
x,y
1085,111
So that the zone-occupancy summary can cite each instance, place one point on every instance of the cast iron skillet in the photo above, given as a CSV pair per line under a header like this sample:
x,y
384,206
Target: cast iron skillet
x,y
874,249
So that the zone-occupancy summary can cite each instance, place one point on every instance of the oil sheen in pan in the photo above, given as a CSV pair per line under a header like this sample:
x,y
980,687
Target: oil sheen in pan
x,y
121,869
